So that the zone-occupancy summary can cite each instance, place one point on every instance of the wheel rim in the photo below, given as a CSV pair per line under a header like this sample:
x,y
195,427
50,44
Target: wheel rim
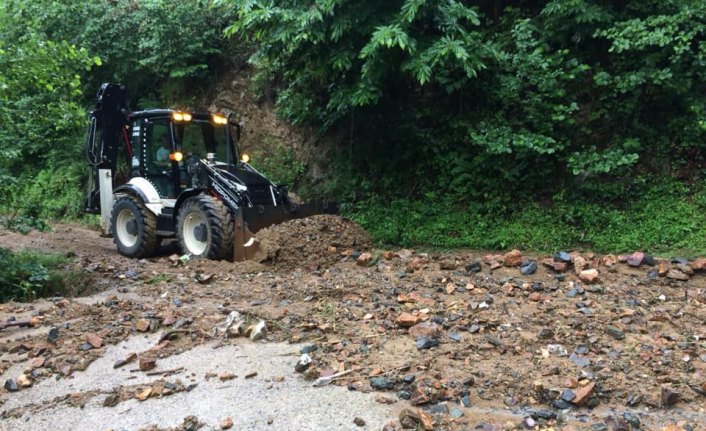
x,y
195,235
123,222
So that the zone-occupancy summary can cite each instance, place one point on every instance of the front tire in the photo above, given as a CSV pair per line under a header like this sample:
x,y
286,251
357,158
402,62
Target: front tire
x,y
205,228
134,228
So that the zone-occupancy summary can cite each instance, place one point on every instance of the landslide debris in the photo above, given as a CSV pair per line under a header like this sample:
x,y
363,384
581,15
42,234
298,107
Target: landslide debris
x,y
312,242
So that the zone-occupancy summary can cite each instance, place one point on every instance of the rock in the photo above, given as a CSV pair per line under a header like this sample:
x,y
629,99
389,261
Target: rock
x,y
535,296
675,274
409,419
23,381
303,363
227,423
381,383
250,374
94,340
528,267
409,379
664,268
589,275
568,395
512,258
699,264
562,256
636,259
466,401
36,363
609,260
583,394
147,363
426,343
555,266
111,400
580,264
437,409
495,265
415,264
425,329
669,396
259,331
472,267
11,385
614,332
456,413
53,335
144,394
632,419
309,348
365,259
545,333
686,269
129,358
359,422
426,420
142,325
407,320
419,396
616,423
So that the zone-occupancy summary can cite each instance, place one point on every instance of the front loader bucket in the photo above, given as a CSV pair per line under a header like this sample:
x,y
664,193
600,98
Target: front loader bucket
x,y
249,220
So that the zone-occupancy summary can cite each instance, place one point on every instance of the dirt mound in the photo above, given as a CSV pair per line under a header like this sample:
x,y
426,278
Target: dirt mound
x,y
311,242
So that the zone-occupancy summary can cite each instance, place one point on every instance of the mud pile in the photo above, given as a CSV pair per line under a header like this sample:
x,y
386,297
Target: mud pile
x,y
311,242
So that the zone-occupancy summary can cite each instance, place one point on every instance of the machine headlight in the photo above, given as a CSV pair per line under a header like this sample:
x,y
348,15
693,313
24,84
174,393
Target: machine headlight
x,y
245,158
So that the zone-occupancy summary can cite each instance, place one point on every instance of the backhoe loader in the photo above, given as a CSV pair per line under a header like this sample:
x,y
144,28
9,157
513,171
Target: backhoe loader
x,y
166,173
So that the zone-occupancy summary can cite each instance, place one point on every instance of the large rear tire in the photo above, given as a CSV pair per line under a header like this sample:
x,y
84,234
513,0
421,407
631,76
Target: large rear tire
x,y
134,228
205,228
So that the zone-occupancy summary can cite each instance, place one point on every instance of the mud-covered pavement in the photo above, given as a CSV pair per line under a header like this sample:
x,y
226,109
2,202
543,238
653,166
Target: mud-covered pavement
x,y
437,341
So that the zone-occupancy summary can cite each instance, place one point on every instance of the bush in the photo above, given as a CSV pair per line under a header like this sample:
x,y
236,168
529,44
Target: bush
x,y
27,275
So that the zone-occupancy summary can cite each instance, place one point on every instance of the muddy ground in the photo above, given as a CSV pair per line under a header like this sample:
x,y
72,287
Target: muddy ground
x,y
448,341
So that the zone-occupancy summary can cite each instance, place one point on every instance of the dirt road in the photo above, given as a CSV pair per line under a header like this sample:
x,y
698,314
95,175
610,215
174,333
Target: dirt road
x,y
456,344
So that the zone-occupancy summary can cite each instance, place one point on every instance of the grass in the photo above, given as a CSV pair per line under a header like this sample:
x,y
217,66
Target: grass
x,y
668,218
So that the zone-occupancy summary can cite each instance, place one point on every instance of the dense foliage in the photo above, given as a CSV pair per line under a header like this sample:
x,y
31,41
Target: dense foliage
x,y
502,110
491,123
54,56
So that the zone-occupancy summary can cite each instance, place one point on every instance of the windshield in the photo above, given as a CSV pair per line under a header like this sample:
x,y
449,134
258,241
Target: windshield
x,y
202,137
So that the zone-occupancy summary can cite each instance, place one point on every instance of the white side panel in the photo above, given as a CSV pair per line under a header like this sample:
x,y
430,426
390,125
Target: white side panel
x,y
154,202
147,188
105,184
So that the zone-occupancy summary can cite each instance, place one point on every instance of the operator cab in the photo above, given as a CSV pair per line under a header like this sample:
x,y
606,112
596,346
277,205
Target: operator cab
x,y
165,144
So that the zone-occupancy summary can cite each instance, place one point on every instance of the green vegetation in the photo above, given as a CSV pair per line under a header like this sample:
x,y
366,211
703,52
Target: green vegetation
x,y
27,275
498,124
485,124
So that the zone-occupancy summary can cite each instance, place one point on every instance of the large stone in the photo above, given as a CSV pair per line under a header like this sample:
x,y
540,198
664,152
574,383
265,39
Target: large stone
x,y
23,381
699,264
94,340
583,394
425,329
407,320
259,331
147,363
512,258
142,325
664,268
381,383
365,259
589,275
669,396
227,423
580,264
609,260
615,332
562,256
675,274
636,259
